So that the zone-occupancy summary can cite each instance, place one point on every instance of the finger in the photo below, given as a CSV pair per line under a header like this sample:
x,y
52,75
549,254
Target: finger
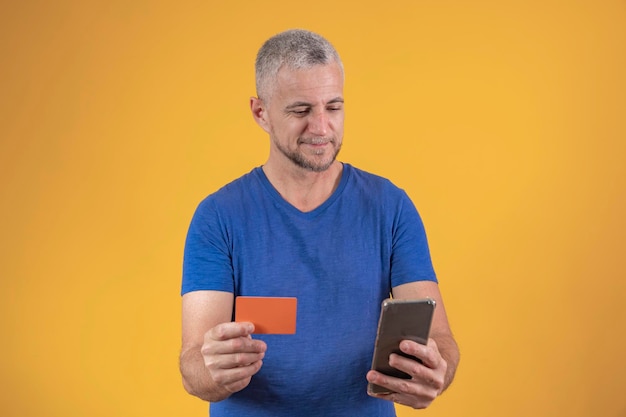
x,y
428,354
377,378
231,361
401,387
225,331
236,379
419,373
410,401
230,346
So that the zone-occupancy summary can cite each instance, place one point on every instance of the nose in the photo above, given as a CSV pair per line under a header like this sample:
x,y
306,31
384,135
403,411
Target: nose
x,y
318,123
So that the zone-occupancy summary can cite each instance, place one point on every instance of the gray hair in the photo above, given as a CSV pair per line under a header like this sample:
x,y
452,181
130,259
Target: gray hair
x,y
296,49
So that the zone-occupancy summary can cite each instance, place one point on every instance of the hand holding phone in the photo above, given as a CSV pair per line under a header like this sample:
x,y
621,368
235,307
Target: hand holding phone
x,y
399,320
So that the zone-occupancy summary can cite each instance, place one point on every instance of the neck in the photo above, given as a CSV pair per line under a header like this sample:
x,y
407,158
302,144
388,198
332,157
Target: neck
x,y
305,190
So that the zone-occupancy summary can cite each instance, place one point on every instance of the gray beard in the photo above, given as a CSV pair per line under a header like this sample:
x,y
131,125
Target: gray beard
x,y
300,160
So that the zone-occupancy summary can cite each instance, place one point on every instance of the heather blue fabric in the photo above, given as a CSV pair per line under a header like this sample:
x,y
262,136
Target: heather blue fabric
x,y
340,260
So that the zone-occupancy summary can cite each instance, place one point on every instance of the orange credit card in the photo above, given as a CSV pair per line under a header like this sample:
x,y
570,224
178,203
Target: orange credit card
x,y
270,315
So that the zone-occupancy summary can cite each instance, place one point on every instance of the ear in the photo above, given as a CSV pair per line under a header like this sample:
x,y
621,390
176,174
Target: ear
x,y
259,113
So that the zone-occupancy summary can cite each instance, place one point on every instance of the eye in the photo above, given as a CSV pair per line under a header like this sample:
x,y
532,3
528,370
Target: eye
x,y
300,112
337,106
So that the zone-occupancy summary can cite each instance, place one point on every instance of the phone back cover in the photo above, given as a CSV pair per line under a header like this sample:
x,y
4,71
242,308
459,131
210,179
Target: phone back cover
x,y
399,320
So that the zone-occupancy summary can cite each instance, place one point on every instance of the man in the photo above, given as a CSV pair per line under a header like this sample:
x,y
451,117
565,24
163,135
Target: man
x,y
308,226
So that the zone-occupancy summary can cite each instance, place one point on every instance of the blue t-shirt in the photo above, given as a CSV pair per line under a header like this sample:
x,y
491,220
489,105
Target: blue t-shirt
x,y
340,261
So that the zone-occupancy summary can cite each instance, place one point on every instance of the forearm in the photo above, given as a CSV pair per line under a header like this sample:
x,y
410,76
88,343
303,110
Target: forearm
x,y
449,351
197,380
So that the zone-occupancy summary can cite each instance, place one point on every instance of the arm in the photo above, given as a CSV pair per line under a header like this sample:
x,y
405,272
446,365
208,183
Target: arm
x,y
439,358
217,357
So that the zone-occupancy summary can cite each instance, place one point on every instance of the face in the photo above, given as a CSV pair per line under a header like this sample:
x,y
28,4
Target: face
x,y
304,116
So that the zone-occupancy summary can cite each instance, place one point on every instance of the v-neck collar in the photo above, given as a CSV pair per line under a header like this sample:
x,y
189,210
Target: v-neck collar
x,y
288,207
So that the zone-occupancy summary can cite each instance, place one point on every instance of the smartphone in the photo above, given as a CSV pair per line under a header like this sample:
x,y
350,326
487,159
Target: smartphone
x,y
399,320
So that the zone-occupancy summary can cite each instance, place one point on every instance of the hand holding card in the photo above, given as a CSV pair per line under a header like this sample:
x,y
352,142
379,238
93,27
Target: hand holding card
x,y
270,315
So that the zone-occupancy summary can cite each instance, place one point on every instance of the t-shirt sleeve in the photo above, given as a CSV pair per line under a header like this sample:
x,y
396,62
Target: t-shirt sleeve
x,y
410,258
207,261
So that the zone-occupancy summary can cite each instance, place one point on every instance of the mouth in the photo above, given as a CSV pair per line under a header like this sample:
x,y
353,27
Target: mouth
x,y
316,142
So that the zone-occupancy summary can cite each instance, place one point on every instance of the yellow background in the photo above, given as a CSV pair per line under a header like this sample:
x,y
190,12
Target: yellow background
x,y
505,122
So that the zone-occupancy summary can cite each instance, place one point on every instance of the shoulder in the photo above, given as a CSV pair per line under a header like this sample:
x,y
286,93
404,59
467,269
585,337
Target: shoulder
x,y
372,184
233,194
379,194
